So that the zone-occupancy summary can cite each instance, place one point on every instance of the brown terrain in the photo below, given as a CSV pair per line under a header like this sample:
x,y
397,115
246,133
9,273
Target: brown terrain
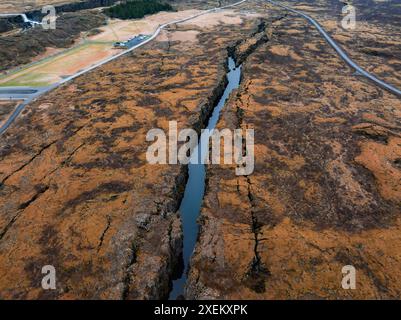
x,y
6,108
77,192
326,190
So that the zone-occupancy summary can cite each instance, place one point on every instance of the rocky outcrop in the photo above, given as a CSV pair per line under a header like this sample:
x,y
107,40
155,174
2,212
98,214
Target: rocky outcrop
x,y
76,189
243,48
325,189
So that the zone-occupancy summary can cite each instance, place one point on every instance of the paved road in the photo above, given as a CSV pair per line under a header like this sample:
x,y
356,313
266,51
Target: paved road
x,y
20,93
336,47
35,95
341,52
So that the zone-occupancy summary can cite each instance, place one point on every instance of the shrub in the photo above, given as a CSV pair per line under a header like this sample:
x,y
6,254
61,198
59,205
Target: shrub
x,y
136,9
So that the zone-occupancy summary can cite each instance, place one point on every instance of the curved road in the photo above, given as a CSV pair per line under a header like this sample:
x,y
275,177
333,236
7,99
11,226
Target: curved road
x,y
20,107
340,51
336,47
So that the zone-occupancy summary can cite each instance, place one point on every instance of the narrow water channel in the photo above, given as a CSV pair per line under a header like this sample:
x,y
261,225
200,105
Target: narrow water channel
x,y
195,187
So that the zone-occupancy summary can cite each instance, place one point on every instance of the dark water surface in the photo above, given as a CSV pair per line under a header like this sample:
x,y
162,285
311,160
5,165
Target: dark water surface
x,y
195,188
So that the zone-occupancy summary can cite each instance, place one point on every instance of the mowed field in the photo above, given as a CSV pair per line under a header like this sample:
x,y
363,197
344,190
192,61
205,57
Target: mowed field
x,y
96,48
53,69
90,51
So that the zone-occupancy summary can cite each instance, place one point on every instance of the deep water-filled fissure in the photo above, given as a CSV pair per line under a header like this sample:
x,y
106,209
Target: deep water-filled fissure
x,y
194,190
